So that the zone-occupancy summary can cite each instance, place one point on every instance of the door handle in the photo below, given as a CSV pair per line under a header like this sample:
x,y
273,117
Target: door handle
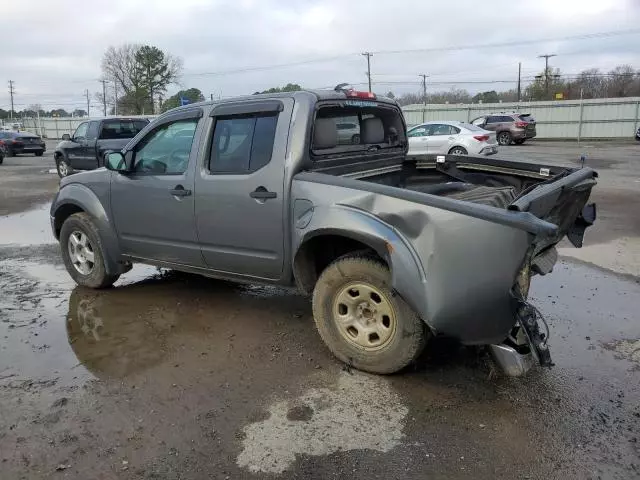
x,y
180,191
262,193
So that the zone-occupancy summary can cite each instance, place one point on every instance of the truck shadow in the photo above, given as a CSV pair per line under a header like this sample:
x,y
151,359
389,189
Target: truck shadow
x,y
131,328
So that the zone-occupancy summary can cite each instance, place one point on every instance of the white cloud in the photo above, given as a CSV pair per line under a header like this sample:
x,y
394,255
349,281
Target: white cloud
x,y
58,56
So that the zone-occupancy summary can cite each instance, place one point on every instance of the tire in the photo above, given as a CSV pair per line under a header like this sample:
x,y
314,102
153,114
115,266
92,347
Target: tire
x,y
39,154
62,167
1,160
80,226
401,335
10,153
458,151
355,139
504,138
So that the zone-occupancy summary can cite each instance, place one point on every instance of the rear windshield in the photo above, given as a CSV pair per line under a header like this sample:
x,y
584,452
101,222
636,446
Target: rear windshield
x,y
471,128
525,117
121,129
354,126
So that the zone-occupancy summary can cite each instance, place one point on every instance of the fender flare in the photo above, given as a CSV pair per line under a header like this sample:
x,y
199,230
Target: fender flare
x,y
407,273
84,199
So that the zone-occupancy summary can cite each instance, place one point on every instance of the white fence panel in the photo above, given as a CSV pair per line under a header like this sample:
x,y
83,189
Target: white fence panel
x,y
566,119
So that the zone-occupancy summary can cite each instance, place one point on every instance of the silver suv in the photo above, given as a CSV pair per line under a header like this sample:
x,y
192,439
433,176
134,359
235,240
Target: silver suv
x,y
509,127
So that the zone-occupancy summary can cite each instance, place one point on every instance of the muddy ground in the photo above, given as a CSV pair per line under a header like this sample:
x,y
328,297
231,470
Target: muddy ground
x,y
172,376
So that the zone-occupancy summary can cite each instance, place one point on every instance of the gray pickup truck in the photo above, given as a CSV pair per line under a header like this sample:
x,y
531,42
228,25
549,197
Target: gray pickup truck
x,y
393,248
85,149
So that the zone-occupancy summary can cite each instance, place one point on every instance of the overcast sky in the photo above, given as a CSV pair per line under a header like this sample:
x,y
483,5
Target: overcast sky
x,y
53,48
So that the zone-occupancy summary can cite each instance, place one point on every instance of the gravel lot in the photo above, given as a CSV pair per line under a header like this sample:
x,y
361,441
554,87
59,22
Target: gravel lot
x,y
172,376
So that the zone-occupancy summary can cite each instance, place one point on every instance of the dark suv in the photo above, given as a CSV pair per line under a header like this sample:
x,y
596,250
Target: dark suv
x,y
509,127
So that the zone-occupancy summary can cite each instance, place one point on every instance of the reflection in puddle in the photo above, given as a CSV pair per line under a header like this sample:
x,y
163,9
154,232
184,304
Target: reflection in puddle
x,y
28,228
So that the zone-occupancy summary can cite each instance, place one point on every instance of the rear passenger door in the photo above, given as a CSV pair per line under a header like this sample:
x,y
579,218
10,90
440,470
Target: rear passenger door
x,y
240,193
441,137
493,123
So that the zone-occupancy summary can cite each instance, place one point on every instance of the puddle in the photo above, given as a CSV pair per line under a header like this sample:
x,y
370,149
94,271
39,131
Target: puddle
x,y
361,412
629,349
28,228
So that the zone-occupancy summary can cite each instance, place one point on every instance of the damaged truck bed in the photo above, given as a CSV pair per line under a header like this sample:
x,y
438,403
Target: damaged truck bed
x,y
464,235
393,248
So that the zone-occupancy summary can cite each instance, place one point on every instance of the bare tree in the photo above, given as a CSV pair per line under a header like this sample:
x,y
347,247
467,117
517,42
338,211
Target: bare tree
x,y
620,81
141,74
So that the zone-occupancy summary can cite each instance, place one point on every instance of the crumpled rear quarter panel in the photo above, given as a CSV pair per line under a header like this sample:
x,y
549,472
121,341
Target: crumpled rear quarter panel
x,y
468,265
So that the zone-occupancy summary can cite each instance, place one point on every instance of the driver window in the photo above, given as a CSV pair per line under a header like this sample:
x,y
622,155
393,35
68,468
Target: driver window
x,y
81,131
166,150
418,132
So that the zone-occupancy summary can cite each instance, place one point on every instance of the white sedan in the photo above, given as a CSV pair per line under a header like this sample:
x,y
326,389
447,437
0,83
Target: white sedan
x,y
453,138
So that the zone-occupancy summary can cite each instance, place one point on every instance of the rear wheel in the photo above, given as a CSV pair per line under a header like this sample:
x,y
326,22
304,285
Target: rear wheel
x,y
355,139
362,320
82,252
504,138
458,151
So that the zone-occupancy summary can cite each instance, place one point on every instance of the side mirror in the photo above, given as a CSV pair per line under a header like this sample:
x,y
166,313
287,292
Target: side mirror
x,y
66,136
116,162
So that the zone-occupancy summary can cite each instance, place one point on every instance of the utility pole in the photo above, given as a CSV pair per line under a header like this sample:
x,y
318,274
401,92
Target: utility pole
x,y
519,81
424,95
546,71
12,90
368,55
211,97
86,92
115,94
104,97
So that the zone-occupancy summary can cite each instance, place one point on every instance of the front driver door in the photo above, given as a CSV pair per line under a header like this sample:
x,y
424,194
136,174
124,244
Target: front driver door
x,y
153,205
74,150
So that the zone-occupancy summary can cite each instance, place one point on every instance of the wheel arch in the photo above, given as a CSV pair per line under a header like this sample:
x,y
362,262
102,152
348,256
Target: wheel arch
x,y
349,231
76,198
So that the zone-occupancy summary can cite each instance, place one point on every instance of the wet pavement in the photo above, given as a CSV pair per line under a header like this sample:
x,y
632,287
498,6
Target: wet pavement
x,y
174,376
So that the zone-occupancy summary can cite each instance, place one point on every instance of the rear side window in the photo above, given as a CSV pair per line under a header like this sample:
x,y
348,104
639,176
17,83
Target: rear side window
x,y
121,129
242,144
442,129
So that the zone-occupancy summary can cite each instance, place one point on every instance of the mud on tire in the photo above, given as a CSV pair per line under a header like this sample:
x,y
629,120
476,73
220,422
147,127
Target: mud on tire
x,y
403,332
97,277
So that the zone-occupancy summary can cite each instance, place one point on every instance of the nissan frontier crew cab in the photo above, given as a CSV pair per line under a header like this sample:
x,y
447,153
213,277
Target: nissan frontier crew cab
x,y
393,248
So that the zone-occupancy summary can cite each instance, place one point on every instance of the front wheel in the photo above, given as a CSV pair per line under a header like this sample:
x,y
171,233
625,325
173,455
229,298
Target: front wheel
x,y
83,253
504,138
362,320
63,168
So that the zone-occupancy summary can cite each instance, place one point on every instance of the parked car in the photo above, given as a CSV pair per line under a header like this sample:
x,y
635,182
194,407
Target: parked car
x,y
16,143
393,248
2,153
509,127
348,131
454,138
638,134
85,149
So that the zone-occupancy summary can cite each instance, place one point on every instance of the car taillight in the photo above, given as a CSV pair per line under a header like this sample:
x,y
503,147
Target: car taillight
x,y
521,124
356,94
481,138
